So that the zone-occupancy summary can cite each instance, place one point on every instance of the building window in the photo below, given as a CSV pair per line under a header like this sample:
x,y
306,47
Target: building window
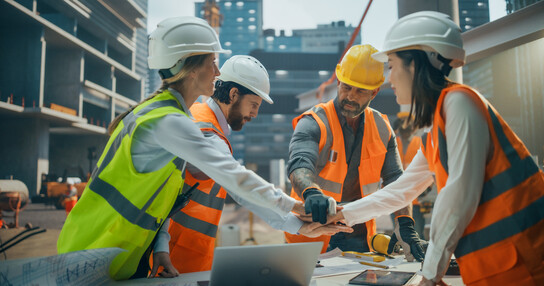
x,y
228,4
280,73
252,27
269,39
239,19
323,73
252,19
228,44
282,47
240,4
251,11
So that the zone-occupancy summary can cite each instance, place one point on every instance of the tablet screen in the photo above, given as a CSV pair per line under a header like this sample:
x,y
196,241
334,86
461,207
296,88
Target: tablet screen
x,y
381,277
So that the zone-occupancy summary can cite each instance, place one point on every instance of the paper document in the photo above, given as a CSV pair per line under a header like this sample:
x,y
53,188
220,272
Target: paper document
x,y
86,267
335,264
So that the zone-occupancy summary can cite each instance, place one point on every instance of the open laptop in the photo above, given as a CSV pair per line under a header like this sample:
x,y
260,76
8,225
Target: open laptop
x,y
276,264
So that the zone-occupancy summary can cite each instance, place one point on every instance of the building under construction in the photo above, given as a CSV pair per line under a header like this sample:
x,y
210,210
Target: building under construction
x,y
68,68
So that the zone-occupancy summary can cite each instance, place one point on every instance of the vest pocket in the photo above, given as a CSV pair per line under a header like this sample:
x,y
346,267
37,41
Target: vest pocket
x,y
487,262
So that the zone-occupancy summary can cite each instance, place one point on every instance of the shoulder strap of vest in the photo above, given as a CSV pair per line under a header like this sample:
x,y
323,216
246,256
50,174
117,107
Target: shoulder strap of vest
x,y
318,113
206,120
382,123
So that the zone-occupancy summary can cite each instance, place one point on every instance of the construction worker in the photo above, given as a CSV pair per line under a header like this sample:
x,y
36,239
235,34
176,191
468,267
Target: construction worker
x,y
239,92
490,207
140,174
345,150
70,198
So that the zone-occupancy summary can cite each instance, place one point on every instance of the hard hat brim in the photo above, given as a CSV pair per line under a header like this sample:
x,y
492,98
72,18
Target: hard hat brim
x,y
258,92
380,56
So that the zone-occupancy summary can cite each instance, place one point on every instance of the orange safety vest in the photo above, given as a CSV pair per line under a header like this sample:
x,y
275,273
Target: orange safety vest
x,y
193,229
411,151
504,242
331,163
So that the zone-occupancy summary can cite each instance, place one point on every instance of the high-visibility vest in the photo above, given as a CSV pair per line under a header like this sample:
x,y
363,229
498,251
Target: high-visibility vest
x,y
504,242
411,151
332,166
193,229
120,206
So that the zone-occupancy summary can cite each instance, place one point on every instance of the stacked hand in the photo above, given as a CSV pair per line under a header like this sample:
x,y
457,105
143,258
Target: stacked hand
x,y
316,203
315,229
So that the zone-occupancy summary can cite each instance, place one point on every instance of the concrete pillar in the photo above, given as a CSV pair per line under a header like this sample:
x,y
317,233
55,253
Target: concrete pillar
x,y
450,7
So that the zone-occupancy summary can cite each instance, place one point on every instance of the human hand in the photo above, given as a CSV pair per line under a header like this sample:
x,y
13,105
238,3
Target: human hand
x,y
316,203
298,208
338,217
163,259
406,235
315,229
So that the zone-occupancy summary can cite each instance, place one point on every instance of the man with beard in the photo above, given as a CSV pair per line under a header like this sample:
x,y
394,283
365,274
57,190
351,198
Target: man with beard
x,y
239,91
346,150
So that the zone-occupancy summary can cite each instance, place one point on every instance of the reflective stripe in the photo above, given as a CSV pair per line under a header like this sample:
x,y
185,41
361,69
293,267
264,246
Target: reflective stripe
x,y
370,188
443,149
519,170
180,165
324,157
195,224
209,200
125,207
208,125
383,128
500,230
330,186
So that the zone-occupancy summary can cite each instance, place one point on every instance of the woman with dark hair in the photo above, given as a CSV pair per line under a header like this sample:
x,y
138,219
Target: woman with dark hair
x,y
490,208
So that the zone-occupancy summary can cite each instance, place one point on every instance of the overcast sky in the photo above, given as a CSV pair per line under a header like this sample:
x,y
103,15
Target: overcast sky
x,y
298,14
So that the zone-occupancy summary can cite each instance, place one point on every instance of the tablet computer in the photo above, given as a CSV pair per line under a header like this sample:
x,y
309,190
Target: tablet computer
x,y
381,277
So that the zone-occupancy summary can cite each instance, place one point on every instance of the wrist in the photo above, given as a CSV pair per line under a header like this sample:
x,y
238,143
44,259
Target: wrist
x,y
405,219
310,191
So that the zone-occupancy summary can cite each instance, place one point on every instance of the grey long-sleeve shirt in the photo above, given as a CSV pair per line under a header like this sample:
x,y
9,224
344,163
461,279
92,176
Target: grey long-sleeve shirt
x,y
304,150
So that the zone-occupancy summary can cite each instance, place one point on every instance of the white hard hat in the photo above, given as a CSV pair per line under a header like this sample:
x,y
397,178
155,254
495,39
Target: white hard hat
x,y
429,31
248,72
177,38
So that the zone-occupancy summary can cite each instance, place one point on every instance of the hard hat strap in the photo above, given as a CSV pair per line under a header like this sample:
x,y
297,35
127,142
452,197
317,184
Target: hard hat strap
x,y
168,73
439,62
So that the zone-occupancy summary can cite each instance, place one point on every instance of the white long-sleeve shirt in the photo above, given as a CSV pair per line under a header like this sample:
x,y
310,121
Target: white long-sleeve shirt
x,y
155,142
468,146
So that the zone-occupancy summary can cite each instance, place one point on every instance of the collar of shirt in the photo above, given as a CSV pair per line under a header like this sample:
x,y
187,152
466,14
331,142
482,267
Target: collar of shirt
x,y
220,116
180,99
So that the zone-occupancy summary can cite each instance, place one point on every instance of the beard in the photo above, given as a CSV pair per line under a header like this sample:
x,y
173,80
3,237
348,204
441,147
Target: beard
x,y
235,117
358,109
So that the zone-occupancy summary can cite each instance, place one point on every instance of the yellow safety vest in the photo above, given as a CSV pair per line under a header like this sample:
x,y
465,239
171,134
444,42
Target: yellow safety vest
x,y
120,206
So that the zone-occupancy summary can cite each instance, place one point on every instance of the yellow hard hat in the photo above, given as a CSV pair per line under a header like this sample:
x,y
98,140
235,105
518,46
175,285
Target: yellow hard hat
x,y
402,114
359,69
